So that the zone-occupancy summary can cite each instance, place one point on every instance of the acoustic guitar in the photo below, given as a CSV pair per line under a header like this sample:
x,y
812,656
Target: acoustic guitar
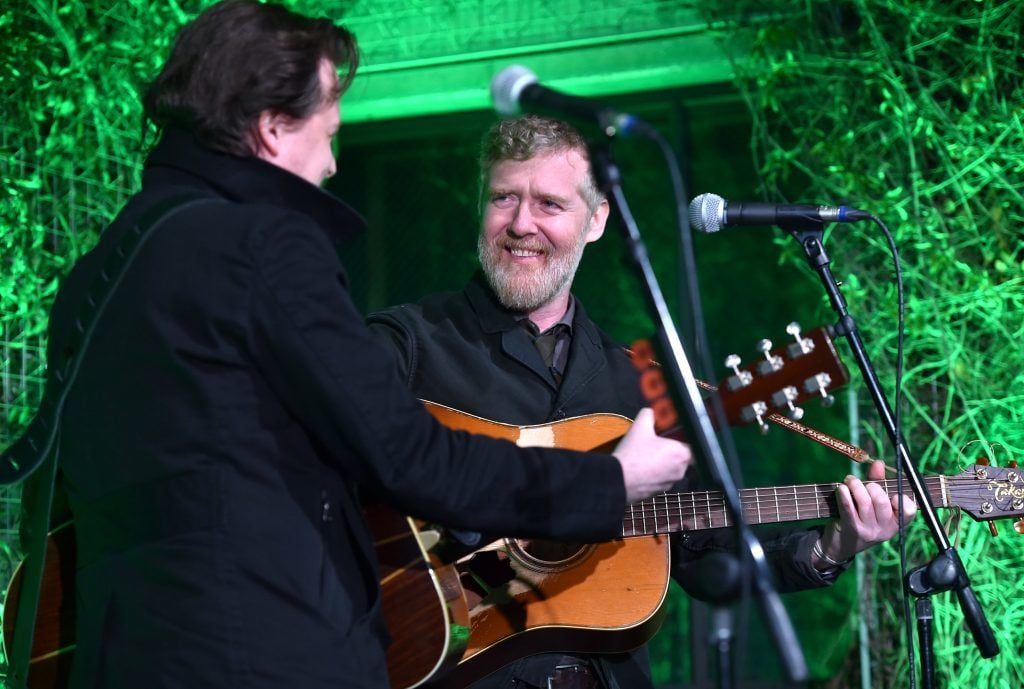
x,y
587,598
608,597
424,603
605,597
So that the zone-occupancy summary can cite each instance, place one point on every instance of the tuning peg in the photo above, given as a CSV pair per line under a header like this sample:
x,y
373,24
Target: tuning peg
x,y
1012,477
784,398
819,383
983,461
742,378
755,413
770,363
803,345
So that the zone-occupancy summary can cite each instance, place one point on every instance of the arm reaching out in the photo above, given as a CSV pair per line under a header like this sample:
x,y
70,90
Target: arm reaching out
x,y
650,464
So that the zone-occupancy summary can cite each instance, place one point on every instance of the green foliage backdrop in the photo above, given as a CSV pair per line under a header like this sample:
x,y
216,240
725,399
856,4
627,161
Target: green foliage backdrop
x,y
913,110
70,153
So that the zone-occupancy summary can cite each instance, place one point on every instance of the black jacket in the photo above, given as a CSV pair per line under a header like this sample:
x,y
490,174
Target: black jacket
x,y
464,350
228,408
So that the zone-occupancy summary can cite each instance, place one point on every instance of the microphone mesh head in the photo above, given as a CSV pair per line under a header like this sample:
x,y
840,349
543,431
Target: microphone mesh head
x,y
707,212
507,85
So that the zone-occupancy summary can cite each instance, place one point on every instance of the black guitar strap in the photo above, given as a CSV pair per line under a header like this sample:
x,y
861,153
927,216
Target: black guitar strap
x,y
37,448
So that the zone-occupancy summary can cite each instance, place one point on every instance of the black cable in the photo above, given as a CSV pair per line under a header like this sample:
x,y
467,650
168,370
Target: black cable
x,y
900,325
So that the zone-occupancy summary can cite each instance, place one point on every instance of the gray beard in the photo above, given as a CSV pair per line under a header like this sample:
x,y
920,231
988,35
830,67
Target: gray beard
x,y
524,290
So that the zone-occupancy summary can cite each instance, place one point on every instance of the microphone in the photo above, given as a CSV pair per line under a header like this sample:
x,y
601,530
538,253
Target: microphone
x,y
710,212
515,89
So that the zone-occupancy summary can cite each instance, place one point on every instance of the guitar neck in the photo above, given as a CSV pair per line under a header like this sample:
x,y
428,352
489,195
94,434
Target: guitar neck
x,y
699,510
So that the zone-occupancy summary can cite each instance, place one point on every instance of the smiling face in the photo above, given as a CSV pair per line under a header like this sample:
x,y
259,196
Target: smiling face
x,y
535,225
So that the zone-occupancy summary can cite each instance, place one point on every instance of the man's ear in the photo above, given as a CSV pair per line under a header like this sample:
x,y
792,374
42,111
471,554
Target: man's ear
x,y
267,135
597,221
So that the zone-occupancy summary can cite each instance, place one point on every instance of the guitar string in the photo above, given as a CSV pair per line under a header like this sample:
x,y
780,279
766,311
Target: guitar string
x,y
770,494
788,499
888,483
787,502
714,519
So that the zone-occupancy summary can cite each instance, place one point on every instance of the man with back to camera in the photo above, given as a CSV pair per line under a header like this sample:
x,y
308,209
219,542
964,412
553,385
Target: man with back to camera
x,y
515,346
231,404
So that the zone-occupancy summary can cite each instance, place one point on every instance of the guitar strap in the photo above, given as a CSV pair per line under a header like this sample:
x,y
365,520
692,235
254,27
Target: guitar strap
x,y
35,452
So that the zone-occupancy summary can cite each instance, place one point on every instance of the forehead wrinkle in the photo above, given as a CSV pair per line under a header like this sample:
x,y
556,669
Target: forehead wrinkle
x,y
564,200
522,178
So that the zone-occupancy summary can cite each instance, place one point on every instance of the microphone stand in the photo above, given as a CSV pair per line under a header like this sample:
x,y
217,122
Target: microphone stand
x,y
945,572
698,427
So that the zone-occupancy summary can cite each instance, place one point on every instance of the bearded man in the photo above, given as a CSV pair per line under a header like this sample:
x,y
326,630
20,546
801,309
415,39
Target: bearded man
x,y
516,346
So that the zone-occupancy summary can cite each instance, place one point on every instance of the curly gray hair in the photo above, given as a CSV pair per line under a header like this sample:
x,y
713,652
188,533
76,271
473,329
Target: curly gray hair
x,y
523,138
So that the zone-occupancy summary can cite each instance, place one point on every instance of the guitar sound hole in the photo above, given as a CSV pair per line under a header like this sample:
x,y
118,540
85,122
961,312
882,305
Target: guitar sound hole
x,y
548,554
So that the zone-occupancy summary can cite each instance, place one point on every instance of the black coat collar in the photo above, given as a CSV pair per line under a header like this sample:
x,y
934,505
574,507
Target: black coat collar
x,y
495,318
585,358
180,160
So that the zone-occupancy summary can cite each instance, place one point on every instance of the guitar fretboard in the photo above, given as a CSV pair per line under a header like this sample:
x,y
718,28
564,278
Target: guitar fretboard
x,y
700,510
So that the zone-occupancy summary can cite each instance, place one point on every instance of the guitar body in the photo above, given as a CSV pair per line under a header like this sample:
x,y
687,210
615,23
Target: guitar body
x,y
599,598
592,598
422,601
53,644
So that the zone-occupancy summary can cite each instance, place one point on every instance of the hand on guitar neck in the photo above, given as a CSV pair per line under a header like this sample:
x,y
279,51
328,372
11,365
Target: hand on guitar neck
x,y
650,464
868,515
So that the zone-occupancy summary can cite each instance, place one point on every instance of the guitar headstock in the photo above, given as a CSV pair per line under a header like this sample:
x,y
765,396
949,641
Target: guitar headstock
x,y
806,368
988,492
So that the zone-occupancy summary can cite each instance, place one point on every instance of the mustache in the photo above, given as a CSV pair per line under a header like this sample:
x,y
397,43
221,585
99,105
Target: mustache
x,y
522,245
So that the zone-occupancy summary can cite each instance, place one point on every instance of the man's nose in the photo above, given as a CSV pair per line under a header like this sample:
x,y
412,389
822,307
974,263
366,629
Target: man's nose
x,y
522,221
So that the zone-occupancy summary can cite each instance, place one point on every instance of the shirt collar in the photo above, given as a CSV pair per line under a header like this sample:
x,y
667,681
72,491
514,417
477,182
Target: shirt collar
x,y
565,322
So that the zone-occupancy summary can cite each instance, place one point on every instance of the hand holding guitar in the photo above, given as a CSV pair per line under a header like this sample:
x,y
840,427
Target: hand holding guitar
x,y
867,515
650,464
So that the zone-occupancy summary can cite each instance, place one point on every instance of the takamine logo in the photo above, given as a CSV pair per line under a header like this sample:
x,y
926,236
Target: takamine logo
x,y
983,454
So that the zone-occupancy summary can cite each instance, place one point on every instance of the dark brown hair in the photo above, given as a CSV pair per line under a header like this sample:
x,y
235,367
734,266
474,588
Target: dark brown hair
x,y
239,58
